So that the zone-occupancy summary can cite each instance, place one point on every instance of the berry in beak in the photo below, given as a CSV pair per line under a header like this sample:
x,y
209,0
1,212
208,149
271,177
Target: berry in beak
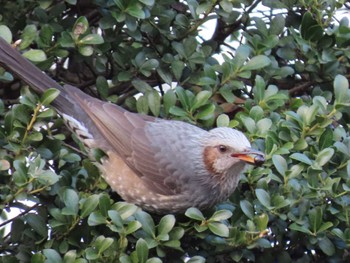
x,y
250,156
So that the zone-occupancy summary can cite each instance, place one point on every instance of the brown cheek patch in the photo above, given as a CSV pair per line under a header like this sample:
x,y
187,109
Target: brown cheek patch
x,y
210,155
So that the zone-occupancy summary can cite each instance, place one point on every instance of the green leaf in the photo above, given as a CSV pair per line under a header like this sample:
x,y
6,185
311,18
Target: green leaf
x,y
165,75
81,25
183,97
177,233
200,99
227,93
280,163
221,215
301,158
249,123
95,218
263,197
247,208
6,33
89,205
20,174
166,224
45,36
104,204
263,126
116,218
177,111
256,62
200,227
256,113
104,244
325,226
169,100
86,50
147,222
154,260
310,29
326,139
66,40
302,229
326,246
141,86
135,10
195,214
142,105
70,257
279,201
196,259
71,157
52,256
315,219
48,177
126,210
300,144
47,113
242,54
132,227
38,224
147,2
49,95
91,39
102,86
205,112
338,232
153,98
324,156
91,253
261,222
259,88
173,244
141,250
341,90
277,25
71,200
6,76
219,229
150,64
177,68
124,76
37,258
35,137
28,35
223,120
35,55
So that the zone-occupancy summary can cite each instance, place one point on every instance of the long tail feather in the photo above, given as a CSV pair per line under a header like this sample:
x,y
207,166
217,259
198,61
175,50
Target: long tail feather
x,y
11,59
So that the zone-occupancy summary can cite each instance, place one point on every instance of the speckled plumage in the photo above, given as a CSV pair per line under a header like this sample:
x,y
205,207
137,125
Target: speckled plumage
x,y
162,165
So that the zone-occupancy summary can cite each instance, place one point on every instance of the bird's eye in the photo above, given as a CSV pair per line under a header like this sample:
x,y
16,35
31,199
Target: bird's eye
x,y
222,148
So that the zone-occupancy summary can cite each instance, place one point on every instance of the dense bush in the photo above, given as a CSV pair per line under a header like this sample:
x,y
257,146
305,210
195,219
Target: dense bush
x,y
275,69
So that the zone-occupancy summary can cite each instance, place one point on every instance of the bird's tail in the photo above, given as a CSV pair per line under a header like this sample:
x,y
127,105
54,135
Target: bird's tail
x,y
68,102
11,59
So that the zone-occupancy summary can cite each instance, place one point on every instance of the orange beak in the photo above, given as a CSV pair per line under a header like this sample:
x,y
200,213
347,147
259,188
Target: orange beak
x,y
250,156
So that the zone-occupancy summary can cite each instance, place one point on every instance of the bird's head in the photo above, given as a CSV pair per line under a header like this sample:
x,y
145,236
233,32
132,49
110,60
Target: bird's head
x,y
226,149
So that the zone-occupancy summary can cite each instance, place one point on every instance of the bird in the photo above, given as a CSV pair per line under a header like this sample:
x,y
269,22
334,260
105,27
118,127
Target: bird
x,y
163,166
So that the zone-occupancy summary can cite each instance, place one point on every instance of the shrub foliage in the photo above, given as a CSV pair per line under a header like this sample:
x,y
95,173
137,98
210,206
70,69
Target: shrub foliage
x,y
278,70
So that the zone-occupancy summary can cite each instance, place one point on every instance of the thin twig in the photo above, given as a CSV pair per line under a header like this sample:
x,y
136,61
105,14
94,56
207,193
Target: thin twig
x,y
19,215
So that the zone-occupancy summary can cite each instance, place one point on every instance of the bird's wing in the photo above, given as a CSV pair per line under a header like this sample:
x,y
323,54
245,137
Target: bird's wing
x,y
154,149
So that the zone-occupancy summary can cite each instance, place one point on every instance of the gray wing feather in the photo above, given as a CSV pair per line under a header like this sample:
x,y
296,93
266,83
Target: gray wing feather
x,y
156,150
